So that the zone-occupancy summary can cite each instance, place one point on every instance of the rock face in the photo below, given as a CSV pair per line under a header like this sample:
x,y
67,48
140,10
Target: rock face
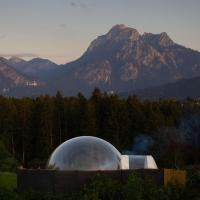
x,y
123,60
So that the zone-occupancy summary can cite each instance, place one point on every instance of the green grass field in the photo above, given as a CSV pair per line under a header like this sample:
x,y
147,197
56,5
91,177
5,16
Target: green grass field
x,y
8,180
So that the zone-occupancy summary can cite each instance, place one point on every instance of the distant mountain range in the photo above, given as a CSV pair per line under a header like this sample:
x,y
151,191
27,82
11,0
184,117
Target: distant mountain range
x,y
10,78
120,61
37,68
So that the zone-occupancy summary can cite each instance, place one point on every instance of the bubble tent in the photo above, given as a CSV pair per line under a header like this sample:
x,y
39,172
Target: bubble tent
x,y
85,153
77,161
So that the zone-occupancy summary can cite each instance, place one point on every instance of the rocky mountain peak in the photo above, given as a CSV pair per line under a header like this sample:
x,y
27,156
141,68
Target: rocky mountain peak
x,y
117,33
122,59
122,32
117,28
161,39
165,40
16,59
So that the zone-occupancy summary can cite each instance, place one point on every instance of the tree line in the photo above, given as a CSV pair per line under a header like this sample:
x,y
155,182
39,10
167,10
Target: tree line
x,y
31,128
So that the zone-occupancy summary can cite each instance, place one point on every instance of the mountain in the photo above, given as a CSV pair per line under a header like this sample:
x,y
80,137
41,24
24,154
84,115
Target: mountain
x,y
16,62
37,68
11,79
120,61
181,89
124,60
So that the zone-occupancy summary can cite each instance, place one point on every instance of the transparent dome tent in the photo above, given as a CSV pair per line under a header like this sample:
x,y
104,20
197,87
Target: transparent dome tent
x,y
85,153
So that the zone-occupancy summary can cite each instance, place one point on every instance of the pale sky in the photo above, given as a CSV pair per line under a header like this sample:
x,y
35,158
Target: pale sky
x,y
61,30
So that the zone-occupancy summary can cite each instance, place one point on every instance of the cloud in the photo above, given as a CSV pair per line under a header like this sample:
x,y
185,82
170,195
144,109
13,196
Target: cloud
x,y
21,55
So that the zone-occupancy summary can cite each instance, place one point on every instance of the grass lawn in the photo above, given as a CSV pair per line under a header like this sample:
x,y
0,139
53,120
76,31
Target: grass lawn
x,y
8,180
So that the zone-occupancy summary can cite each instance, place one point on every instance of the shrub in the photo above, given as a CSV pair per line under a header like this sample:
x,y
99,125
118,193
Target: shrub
x,y
138,188
102,187
7,162
8,195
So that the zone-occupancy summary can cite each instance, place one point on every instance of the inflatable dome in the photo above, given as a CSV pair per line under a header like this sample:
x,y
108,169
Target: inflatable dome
x,y
85,153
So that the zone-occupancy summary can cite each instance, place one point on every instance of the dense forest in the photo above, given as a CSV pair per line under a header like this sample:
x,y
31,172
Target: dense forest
x,y
31,128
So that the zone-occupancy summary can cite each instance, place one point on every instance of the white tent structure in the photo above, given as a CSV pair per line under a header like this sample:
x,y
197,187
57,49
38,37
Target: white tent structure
x,y
87,153
138,162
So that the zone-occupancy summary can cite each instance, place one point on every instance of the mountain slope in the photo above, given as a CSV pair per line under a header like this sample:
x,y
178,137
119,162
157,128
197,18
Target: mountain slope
x,y
16,62
181,89
37,68
124,60
10,78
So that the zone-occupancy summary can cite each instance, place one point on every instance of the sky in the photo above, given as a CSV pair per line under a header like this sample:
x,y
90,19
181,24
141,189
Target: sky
x,y
61,30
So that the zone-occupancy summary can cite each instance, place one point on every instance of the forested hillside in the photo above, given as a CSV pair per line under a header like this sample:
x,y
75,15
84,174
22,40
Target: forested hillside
x,y
31,128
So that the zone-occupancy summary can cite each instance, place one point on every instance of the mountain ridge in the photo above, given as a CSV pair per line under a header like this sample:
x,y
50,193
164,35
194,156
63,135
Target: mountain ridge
x,y
36,68
11,78
121,60
181,89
